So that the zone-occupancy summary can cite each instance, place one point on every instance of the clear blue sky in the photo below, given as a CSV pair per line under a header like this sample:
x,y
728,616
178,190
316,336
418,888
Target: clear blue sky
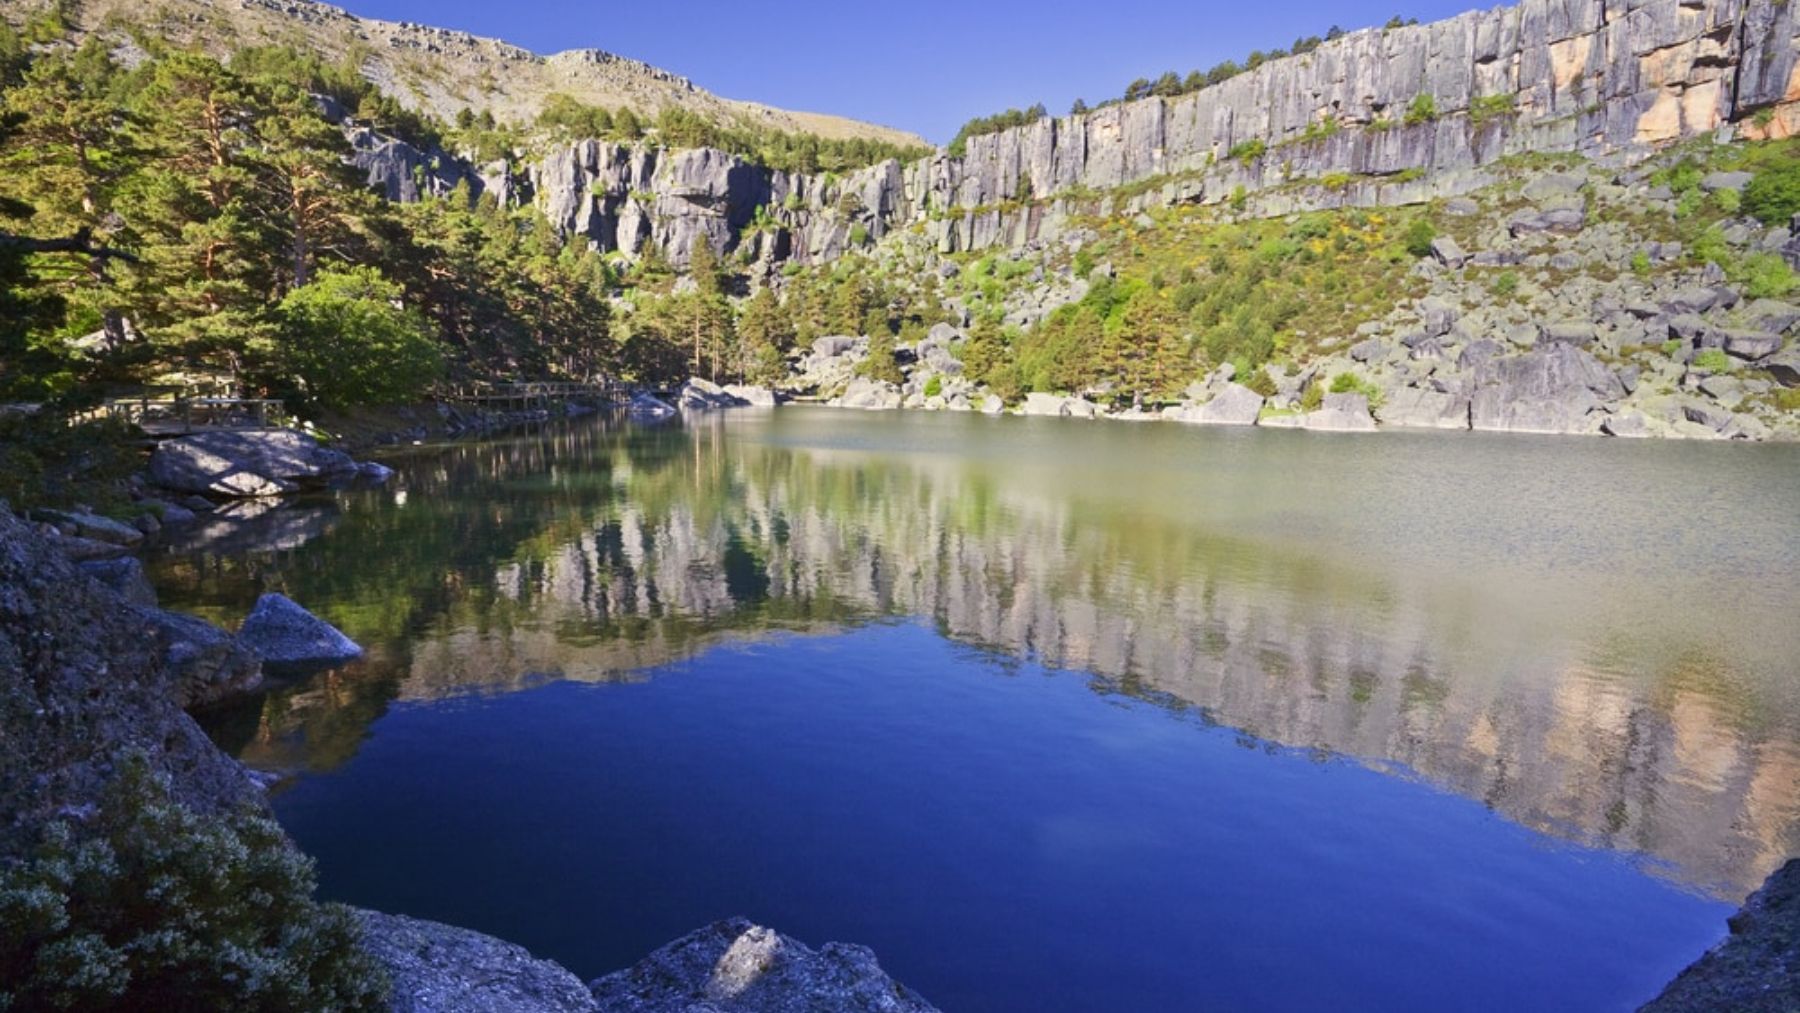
x,y
924,66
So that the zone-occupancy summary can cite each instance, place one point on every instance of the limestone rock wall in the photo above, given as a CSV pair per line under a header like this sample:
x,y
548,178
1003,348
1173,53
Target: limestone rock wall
x,y
1608,78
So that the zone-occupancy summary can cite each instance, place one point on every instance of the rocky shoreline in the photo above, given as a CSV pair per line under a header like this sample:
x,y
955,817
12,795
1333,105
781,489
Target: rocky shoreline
x,y
93,671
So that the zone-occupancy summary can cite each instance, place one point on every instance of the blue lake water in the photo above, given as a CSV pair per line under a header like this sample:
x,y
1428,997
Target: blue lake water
x,y
1052,715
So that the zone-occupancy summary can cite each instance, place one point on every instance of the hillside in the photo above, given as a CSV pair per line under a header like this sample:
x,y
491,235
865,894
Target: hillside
x,y
439,72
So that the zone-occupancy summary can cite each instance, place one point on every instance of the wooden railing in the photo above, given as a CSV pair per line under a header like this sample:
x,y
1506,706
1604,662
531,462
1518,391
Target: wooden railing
x,y
162,415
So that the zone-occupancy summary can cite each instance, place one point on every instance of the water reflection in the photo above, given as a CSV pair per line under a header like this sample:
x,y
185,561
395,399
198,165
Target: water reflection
x,y
1594,640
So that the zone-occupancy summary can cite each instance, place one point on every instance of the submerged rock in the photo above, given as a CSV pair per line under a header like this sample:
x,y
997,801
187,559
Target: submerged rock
x,y
283,633
735,966
649,407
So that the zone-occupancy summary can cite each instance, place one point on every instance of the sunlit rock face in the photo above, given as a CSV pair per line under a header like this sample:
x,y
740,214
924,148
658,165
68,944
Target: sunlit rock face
x,y
1305,598
1610,80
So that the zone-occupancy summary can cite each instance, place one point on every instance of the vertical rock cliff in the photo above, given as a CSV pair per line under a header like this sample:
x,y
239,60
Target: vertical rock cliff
x,y
1607,78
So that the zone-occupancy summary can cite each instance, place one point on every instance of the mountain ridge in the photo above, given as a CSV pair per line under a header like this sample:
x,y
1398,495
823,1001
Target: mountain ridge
x,y
440,71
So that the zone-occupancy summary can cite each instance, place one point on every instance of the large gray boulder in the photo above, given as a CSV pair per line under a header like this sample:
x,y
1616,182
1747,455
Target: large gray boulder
x,y
436,968
1235,405
83,524
1547,390
283,633
704,394
1342,413
869,394
735,966
267,462
1784,367
1418,408
752,395
649,408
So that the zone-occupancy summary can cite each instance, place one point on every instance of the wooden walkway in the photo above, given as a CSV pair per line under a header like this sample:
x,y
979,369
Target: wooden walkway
x,y
181,416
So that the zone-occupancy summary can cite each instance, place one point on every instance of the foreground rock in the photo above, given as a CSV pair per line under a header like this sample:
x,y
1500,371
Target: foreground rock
x,y
283,633
734,966
247,464
1757,968
84,680
437,968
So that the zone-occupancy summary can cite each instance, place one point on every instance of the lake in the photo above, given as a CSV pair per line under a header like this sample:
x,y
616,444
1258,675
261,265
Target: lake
x,y
1052,714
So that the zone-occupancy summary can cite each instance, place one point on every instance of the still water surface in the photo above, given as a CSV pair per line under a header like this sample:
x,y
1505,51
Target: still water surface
x,y
1053,714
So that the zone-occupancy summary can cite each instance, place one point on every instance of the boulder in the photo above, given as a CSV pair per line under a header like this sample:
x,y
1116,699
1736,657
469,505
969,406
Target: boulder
x,y
124,575
433,967
649,407
869,394
1416,408
832,346
1568,334
1752,344
1547,390
752,395
1784,367
1446,251
1037,403
1629,425
1551,186
701,395
283,633
1236,405
992,405
91,526
1437,316
1713,182
267,462
1367,351
735,966
207,663
1772,316
1710,416
1344,413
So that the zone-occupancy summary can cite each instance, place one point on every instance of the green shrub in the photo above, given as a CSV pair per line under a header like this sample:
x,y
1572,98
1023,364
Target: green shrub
x,y
1423,109
1640,264
934,386
1712,360
1418,238
1351,383
1773,196
1672,347
859,235
1729,201
1248,151
1488,108
1314,398
1261,382
148,906
1240,197
1506,283
345,340
1767,276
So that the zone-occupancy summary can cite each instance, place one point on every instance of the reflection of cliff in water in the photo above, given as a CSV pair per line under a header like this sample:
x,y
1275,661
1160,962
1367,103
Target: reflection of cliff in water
x,y
599,553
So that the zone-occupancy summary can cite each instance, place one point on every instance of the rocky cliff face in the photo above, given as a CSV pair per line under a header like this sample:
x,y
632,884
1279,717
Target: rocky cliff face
x,y
1608,78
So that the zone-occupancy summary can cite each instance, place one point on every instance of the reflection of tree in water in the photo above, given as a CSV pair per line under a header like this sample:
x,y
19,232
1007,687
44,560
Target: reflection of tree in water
x,y
597,552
